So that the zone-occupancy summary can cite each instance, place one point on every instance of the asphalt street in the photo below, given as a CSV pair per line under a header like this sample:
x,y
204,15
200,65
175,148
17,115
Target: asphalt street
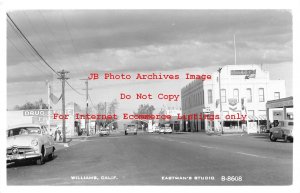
x,y
163,159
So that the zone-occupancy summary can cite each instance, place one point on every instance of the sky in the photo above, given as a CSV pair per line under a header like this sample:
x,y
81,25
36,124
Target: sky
x,y
146,41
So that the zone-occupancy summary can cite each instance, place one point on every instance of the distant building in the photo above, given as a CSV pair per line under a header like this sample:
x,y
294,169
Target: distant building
x,y
174,122
40,116
245,89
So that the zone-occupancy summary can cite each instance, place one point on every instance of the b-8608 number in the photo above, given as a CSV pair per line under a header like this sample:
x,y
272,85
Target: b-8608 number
x,y
231,178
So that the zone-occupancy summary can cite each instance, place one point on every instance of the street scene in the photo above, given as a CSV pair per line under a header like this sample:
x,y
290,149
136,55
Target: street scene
x,y
166,159
150,97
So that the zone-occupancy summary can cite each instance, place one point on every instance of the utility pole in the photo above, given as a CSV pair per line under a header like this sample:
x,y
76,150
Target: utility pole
x,y
98,122
221,111
105,113
48,90
63,79
87,106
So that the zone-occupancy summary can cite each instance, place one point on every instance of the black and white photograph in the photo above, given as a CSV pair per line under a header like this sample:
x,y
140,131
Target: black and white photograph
x,y
149,97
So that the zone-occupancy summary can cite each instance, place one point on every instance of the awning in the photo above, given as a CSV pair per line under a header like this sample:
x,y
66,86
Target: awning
x,y
262,117
252,118
255,118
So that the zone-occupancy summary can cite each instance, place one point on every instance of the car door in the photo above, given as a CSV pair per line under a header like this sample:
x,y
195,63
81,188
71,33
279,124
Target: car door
x,y
47,141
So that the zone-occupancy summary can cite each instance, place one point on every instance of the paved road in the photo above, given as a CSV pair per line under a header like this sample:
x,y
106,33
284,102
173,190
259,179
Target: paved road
x,y
163,159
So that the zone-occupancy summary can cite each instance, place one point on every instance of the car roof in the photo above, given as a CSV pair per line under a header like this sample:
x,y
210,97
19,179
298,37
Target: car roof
x,y
24,125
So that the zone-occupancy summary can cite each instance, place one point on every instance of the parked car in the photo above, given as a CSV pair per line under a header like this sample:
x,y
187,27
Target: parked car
x,y
282,131
104,131
131,128
168,129
263,129
161,130
156,129
29,142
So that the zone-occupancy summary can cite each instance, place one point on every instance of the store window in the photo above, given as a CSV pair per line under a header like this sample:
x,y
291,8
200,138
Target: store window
x,y
276,95
223,95
236,94
261,95
249,95
209,93
202,97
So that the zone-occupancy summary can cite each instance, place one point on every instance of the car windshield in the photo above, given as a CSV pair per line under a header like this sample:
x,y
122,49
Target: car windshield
x,y
24,131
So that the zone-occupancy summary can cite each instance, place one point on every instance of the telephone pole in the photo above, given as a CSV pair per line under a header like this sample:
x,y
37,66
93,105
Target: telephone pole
x,y
87,105
221,110
63,79
49,104
105,112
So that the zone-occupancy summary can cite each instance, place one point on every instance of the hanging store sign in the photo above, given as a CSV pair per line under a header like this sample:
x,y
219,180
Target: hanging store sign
x,y
45,112
242,72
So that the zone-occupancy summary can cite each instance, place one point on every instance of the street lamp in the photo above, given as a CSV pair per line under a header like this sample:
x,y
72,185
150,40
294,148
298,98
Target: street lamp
x,y
221,111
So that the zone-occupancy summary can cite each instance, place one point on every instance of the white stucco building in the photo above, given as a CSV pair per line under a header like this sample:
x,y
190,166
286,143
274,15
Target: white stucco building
x,y
244,90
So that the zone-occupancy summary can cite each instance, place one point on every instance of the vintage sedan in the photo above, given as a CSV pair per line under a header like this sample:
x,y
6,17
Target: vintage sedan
x,y
131,128
168,129
283,131
161,130
29,142
104,131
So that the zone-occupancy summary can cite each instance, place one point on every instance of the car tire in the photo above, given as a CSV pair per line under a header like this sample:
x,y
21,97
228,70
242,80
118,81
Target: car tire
x,y
272,138
135,133
125,133
51,155
41,160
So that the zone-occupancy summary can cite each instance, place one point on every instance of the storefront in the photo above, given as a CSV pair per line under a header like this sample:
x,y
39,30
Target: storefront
x,y
243,89
284,105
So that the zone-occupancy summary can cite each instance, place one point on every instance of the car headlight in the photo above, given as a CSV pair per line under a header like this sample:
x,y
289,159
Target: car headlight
x,y
34,142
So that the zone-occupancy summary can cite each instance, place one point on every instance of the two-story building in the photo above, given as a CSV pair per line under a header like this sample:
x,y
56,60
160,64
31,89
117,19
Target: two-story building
x,y
243,90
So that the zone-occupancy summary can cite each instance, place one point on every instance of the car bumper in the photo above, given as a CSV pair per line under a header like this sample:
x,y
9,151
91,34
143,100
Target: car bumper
x,y
131,131
20,157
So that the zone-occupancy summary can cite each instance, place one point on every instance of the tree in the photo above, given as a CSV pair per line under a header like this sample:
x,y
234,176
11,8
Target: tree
x,y
144,109
35,105
109,109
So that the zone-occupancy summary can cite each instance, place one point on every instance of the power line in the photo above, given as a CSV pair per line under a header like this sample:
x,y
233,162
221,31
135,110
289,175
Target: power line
x,y
25,44
12,43
72,41
74,89
31,45
47,25
93,103
35,30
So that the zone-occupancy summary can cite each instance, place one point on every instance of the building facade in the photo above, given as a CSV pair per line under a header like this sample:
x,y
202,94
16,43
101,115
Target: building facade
x,y
243,90
41,116
174,122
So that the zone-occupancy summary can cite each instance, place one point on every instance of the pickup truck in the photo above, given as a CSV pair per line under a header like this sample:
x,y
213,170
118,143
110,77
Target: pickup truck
x,y
282,131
